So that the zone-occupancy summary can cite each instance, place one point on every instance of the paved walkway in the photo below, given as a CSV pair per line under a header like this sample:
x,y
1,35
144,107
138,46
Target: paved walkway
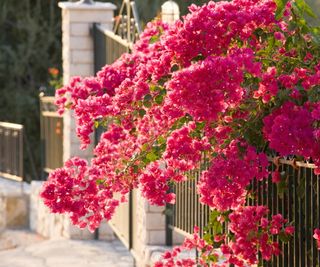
x,y
29,250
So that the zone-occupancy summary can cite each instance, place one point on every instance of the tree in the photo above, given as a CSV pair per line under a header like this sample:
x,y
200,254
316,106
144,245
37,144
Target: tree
x,y
29,45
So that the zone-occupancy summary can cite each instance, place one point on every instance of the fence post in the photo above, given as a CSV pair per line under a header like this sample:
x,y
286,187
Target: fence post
x,y
170,12
78,60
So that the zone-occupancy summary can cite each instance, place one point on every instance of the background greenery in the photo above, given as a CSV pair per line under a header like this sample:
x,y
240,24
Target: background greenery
x,y
29,44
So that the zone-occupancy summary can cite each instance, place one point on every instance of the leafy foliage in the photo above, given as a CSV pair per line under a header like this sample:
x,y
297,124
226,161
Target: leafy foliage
x,y
29,45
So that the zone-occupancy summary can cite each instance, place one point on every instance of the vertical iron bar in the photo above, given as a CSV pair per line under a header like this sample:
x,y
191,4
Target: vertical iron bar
x,y
296,217
307,215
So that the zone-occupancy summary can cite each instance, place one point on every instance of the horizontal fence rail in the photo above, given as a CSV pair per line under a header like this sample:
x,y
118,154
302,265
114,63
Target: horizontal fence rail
x,y
11,151
297,198
51,134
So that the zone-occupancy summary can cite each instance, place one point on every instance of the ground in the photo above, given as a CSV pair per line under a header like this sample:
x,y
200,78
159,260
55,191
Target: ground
x,y
22,248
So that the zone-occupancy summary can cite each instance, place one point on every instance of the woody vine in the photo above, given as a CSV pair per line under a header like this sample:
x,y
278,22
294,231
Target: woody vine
x,y
236,80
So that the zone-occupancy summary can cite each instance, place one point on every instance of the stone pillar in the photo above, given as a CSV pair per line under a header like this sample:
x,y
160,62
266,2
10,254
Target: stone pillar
x,y
78,60
78,57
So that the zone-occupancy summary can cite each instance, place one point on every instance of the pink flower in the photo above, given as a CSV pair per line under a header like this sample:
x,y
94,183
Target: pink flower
x,y
279,36
289,230
316,236
276,177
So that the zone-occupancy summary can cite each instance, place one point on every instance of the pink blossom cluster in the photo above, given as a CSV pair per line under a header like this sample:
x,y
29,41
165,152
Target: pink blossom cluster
x,y
316,236
209,87
290,130
154,185
211,29
223,185
183,152
191,245
74,190
250,233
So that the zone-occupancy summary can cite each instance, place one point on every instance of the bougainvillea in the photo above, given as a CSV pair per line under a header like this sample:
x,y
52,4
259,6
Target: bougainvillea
x,y
317,237
231,82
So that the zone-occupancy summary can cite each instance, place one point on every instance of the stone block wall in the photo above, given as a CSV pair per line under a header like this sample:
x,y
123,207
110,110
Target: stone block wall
x,y
149,230
14,204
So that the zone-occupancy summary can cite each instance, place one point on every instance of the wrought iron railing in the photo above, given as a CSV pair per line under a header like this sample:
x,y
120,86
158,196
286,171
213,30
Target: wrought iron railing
x,y
51,129
297,198
188,211
11,151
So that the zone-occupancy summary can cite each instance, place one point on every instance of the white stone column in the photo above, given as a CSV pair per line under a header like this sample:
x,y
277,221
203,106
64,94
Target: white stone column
x,y
78,57
78,60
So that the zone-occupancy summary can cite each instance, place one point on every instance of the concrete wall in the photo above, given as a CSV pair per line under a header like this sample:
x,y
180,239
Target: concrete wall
x,y
14,204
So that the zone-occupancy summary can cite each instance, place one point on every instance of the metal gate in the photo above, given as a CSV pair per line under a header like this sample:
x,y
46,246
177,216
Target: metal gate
x,y
51,131
108,47
11,151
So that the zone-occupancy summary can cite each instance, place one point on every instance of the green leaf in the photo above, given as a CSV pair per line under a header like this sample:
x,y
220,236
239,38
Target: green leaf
x,y
135,168
100,181
142,112
145,147
281,4
147,97
208,237
285,238
213,258
161,140
163,92
175,67
152,156
154,88
217,228
154,39
147,104
158,99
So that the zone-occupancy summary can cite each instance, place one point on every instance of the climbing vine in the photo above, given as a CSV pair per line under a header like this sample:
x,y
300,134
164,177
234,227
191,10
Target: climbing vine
x,y
236,80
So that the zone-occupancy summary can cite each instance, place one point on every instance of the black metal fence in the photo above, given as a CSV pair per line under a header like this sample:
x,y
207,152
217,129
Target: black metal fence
x,y
297,198
188,211
51,132
11,151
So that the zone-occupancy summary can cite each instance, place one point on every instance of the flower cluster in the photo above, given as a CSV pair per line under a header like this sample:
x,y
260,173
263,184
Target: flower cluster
x,y
229,83
74,190
223,186
190,245
316,236
250,232
182,151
